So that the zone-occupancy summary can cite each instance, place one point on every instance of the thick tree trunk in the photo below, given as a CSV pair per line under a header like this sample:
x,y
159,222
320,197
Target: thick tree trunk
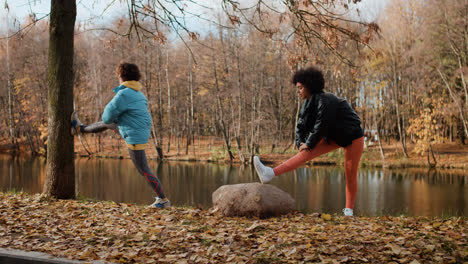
x,y
60,173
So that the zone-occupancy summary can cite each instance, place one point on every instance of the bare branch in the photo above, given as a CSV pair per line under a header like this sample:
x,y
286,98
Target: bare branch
x,y
25,27
307,21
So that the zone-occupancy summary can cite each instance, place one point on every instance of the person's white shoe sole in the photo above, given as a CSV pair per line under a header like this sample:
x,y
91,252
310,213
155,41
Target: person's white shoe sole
x,y
256,161
348,213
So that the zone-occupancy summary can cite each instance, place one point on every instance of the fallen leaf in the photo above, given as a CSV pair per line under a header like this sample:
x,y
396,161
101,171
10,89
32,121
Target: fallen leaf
x,y
395,249
430,248
253,227
326,217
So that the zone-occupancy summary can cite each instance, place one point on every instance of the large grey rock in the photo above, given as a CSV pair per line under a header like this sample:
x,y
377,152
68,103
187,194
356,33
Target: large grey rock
x,y
252,199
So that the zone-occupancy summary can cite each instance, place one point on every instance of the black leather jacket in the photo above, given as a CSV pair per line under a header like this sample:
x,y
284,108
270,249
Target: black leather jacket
x,y
324,115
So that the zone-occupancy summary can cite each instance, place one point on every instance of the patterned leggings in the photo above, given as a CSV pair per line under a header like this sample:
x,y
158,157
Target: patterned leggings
x,y
138,157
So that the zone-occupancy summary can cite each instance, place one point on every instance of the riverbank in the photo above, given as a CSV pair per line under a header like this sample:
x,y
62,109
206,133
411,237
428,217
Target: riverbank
x,y
209,149
125,233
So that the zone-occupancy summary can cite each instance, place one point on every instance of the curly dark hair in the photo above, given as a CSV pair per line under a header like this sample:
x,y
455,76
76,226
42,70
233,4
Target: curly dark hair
x,y
311,78
128,72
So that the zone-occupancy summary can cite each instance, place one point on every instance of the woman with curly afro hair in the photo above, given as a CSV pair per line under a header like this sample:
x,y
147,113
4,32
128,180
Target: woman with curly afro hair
x,y
326,122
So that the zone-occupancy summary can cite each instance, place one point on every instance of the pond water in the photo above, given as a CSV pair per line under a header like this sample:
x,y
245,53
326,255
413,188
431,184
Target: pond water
x,y
409,192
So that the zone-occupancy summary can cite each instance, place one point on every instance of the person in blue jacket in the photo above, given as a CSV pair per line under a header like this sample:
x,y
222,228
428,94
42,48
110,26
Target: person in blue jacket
x,y
127,113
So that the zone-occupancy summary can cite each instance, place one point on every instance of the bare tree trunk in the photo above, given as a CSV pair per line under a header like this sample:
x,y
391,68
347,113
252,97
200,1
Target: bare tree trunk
x,y
168,101
148,85
403,132
460,110
9,83
463,82
240,106
190,115
177,135
430,153
186,130
220,109
280,103
96,76
379,139
252,127
257,127
60,172
397,108
160,104
239,149
157,147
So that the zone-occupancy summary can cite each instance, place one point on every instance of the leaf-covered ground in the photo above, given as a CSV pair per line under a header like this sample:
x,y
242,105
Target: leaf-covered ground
x,y
128,233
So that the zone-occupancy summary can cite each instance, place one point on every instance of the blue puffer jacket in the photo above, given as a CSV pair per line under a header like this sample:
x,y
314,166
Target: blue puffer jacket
x,y
129,109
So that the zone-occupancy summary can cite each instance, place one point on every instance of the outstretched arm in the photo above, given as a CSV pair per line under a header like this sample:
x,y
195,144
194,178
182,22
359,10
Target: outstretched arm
x,y
113,109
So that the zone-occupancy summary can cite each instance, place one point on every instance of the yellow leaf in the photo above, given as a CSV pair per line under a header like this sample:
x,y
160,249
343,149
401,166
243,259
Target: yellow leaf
x,y
315,229
326,217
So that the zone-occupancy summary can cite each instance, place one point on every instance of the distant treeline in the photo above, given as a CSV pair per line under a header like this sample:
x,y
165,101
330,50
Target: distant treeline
x,y
409,84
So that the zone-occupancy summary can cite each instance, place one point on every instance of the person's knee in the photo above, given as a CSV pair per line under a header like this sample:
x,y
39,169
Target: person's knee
x,y
349,164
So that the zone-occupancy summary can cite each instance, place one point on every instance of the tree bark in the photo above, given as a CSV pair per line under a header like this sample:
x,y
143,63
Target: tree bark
x,y
221,118
148,85
190,86
160,98
60,172
454,98
379,139
168,102
9,84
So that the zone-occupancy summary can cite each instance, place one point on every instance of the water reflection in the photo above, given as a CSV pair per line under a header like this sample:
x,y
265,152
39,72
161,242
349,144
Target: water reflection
x,y
414,192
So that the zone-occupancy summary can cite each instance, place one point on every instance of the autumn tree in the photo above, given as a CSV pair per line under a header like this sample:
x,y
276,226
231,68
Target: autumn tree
x,y
60,174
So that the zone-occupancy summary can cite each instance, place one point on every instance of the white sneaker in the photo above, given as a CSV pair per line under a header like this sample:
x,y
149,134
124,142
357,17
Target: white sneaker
x,y
348,212
265,174
160,203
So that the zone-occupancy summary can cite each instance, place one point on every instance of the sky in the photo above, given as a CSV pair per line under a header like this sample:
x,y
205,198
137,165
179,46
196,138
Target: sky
x,y
91,11
87,10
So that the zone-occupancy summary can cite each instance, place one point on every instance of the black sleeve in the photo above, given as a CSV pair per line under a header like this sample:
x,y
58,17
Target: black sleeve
x,y
300,135
301,127
325,114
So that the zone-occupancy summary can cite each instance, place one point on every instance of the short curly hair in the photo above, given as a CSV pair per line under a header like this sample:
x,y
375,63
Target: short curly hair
x,y
128,72
311,78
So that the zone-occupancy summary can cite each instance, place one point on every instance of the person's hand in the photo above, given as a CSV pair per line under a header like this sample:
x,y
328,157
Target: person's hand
x,y
304,147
